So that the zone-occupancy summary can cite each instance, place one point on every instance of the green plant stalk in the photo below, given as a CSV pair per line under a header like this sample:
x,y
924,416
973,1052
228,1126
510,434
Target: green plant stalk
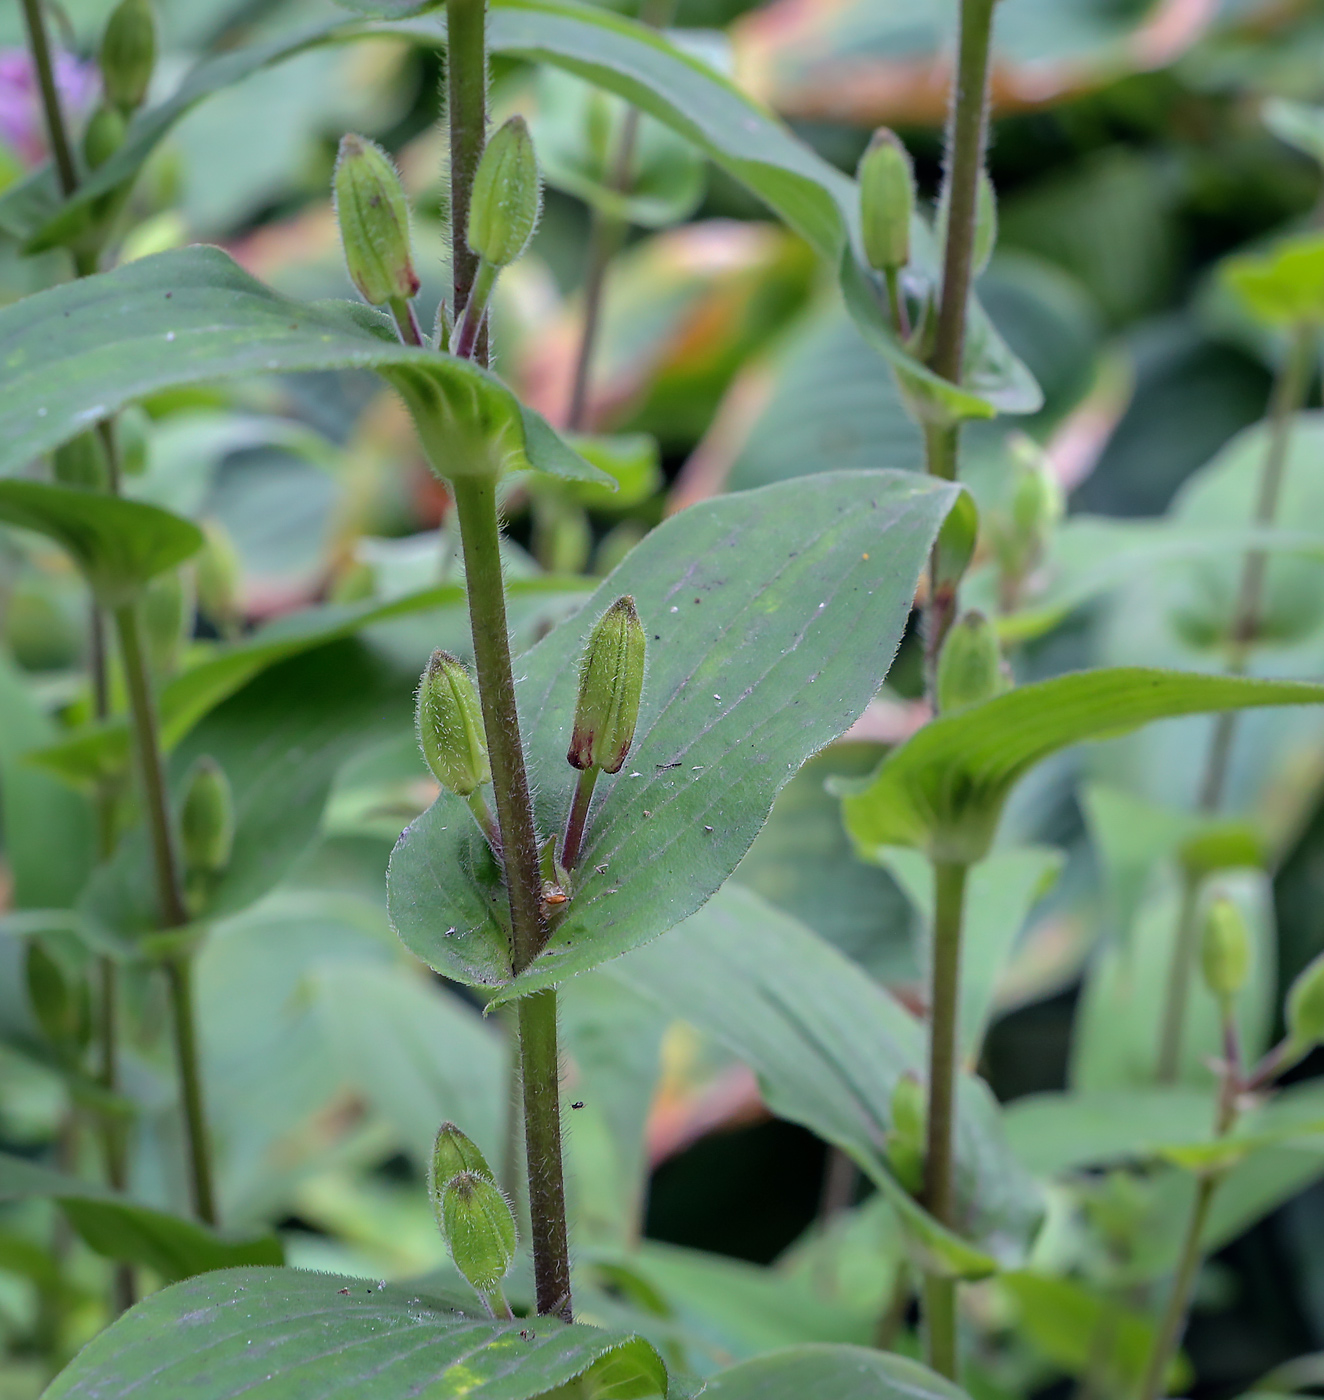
x,y
605,236
475,310
939,1166
1173,1323
39,46
174,914
967,136
466,111
480,535
1289,392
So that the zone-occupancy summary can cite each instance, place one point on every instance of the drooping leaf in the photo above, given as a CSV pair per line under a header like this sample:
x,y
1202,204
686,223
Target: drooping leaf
x,y
771,618
829,1044
1284,286
119,545
288,1335
79,352
944,789
119,1228
830,1373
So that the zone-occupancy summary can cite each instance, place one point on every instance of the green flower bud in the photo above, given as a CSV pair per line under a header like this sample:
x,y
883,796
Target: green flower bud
x,y
206,820
507,196
1305,1006
478,1226
611,682
908,1109
450,726
970,664
1036,502
374,223
167,617
128,54
219,573
887,201
1225,949
104,136
452,1155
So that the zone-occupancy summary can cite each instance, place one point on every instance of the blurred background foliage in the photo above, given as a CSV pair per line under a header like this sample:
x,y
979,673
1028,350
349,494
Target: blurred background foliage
x,y
1130,156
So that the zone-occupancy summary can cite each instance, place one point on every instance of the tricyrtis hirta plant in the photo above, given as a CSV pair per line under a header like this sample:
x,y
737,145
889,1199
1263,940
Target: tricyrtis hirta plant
x,y
383,898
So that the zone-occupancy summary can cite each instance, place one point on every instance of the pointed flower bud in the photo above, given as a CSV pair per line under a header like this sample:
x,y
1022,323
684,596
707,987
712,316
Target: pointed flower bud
x,y
453,1154
128,54
887,201
611,682
219,572
206,821
374,223
478,1226
507,196
970,664
1225,949
104,136
1305,1007
450,726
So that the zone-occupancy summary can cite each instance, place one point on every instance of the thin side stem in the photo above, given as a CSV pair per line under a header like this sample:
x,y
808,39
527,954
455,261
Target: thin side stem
x,y
896,304
475,311
406,322
1289,392
466,111
179,980
1173,1324
56,130
540,1063
475,502
578,819
967,136
939,1176
1173,1025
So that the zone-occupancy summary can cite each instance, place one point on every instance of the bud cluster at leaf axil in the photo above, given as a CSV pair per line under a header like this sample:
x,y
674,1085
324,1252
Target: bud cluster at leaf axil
x,y
127,59
473,1215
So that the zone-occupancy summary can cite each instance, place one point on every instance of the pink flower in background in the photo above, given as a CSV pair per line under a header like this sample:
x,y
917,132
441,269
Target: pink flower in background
x,y
22,127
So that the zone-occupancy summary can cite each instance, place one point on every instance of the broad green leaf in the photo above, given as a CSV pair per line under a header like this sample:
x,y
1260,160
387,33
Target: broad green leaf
x,y
999,897
829,1044
418,1054
391,9
119,1228
119,545
1285,285
1065,1321
771,618
81,351
1057,1132
830,1373
944,789
282,1334
48,831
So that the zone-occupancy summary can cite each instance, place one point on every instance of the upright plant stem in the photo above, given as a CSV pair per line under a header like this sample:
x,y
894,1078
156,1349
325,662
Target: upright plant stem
x,y
475,502
170,899
56,130
1289,392
606,233
939,1177
967,136
466,111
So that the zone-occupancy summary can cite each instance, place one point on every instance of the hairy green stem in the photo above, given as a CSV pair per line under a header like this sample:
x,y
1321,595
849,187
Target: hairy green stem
x,y
56,130
967,136
475,503
578,819
541,1069
170,899
466,111
939,1168
1289,392
475,310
